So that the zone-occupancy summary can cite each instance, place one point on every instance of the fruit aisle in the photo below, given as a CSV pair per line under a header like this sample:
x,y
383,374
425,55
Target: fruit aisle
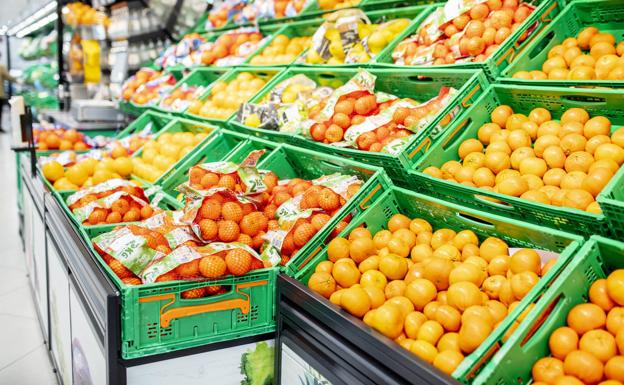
x,y
344,192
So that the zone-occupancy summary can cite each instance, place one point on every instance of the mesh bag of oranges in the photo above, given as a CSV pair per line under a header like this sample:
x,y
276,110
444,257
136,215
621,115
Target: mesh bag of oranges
x,y
271,9
463,31
181,98
129,249
439,293
302,209
224,11
231,48
187,52
348,36
286,106
242,178
49,138
147,86
113,201
356,116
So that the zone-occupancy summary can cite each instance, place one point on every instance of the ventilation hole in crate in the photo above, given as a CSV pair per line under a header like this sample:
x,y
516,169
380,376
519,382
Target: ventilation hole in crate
x,y
240,317
166,332
152,330
253,313
590,274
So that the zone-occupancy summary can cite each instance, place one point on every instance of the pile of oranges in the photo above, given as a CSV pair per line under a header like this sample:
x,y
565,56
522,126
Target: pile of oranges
x,y
128,208
282,50
226,97
483,28
590,349
592,55
60,139
87,172
238,44
140,92
438,293
562,163
179,98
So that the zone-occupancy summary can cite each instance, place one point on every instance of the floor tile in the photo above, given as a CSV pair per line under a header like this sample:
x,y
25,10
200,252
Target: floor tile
x,y
32,369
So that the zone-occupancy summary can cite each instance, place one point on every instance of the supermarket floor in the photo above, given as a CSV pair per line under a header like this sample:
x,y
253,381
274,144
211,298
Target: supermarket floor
x,y
23,356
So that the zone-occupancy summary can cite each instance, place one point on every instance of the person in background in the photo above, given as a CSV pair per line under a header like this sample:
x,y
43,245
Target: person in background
x,y
4,76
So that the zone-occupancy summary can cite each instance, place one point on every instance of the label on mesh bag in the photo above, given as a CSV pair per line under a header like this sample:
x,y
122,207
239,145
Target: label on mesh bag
x,y
129,249
82,213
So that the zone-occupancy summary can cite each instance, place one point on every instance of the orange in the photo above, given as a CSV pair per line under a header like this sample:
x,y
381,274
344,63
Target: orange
x,y
448,317
431,308
567,380
322,283
420,291
414,272
562,341
361,248
430,331
522,283
583,366
525,260
419,225
472,333
338,248
547,369
336,296
398,221
325,266
403,303
449,341
614,368
360,232
413,322
441,237
393,266
619,341
382,238
598,295
398,246
407,236
615,320
388,320
481,312
424,350
421,252
599,343
610,151
500,115
492,247
373,278
448,251
376,295
585,317
580,160
466,272
346,274
447,361
615,286
462,295
437,270
498,311
492,285
356,301
395,288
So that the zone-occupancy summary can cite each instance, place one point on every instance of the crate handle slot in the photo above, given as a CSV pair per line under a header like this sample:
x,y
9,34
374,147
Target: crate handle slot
x,y
583,100
475,220
542,45
166,316
420,79
486,199
326,75
544,320
330,164
453,137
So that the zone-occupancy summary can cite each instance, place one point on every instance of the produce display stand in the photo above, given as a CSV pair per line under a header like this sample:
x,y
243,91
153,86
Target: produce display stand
x,y
100,329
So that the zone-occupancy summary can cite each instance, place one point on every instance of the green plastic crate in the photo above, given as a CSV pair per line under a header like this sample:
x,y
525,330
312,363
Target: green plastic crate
x,y
225,146
155,319
529,342
545,12
611,201
416,14
294,29
447,215
265,73
179,125
522,100
424,84
373,5
289,162
606,15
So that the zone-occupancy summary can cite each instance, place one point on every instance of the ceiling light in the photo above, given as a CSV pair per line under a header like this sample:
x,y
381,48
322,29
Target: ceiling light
x,y
46,10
